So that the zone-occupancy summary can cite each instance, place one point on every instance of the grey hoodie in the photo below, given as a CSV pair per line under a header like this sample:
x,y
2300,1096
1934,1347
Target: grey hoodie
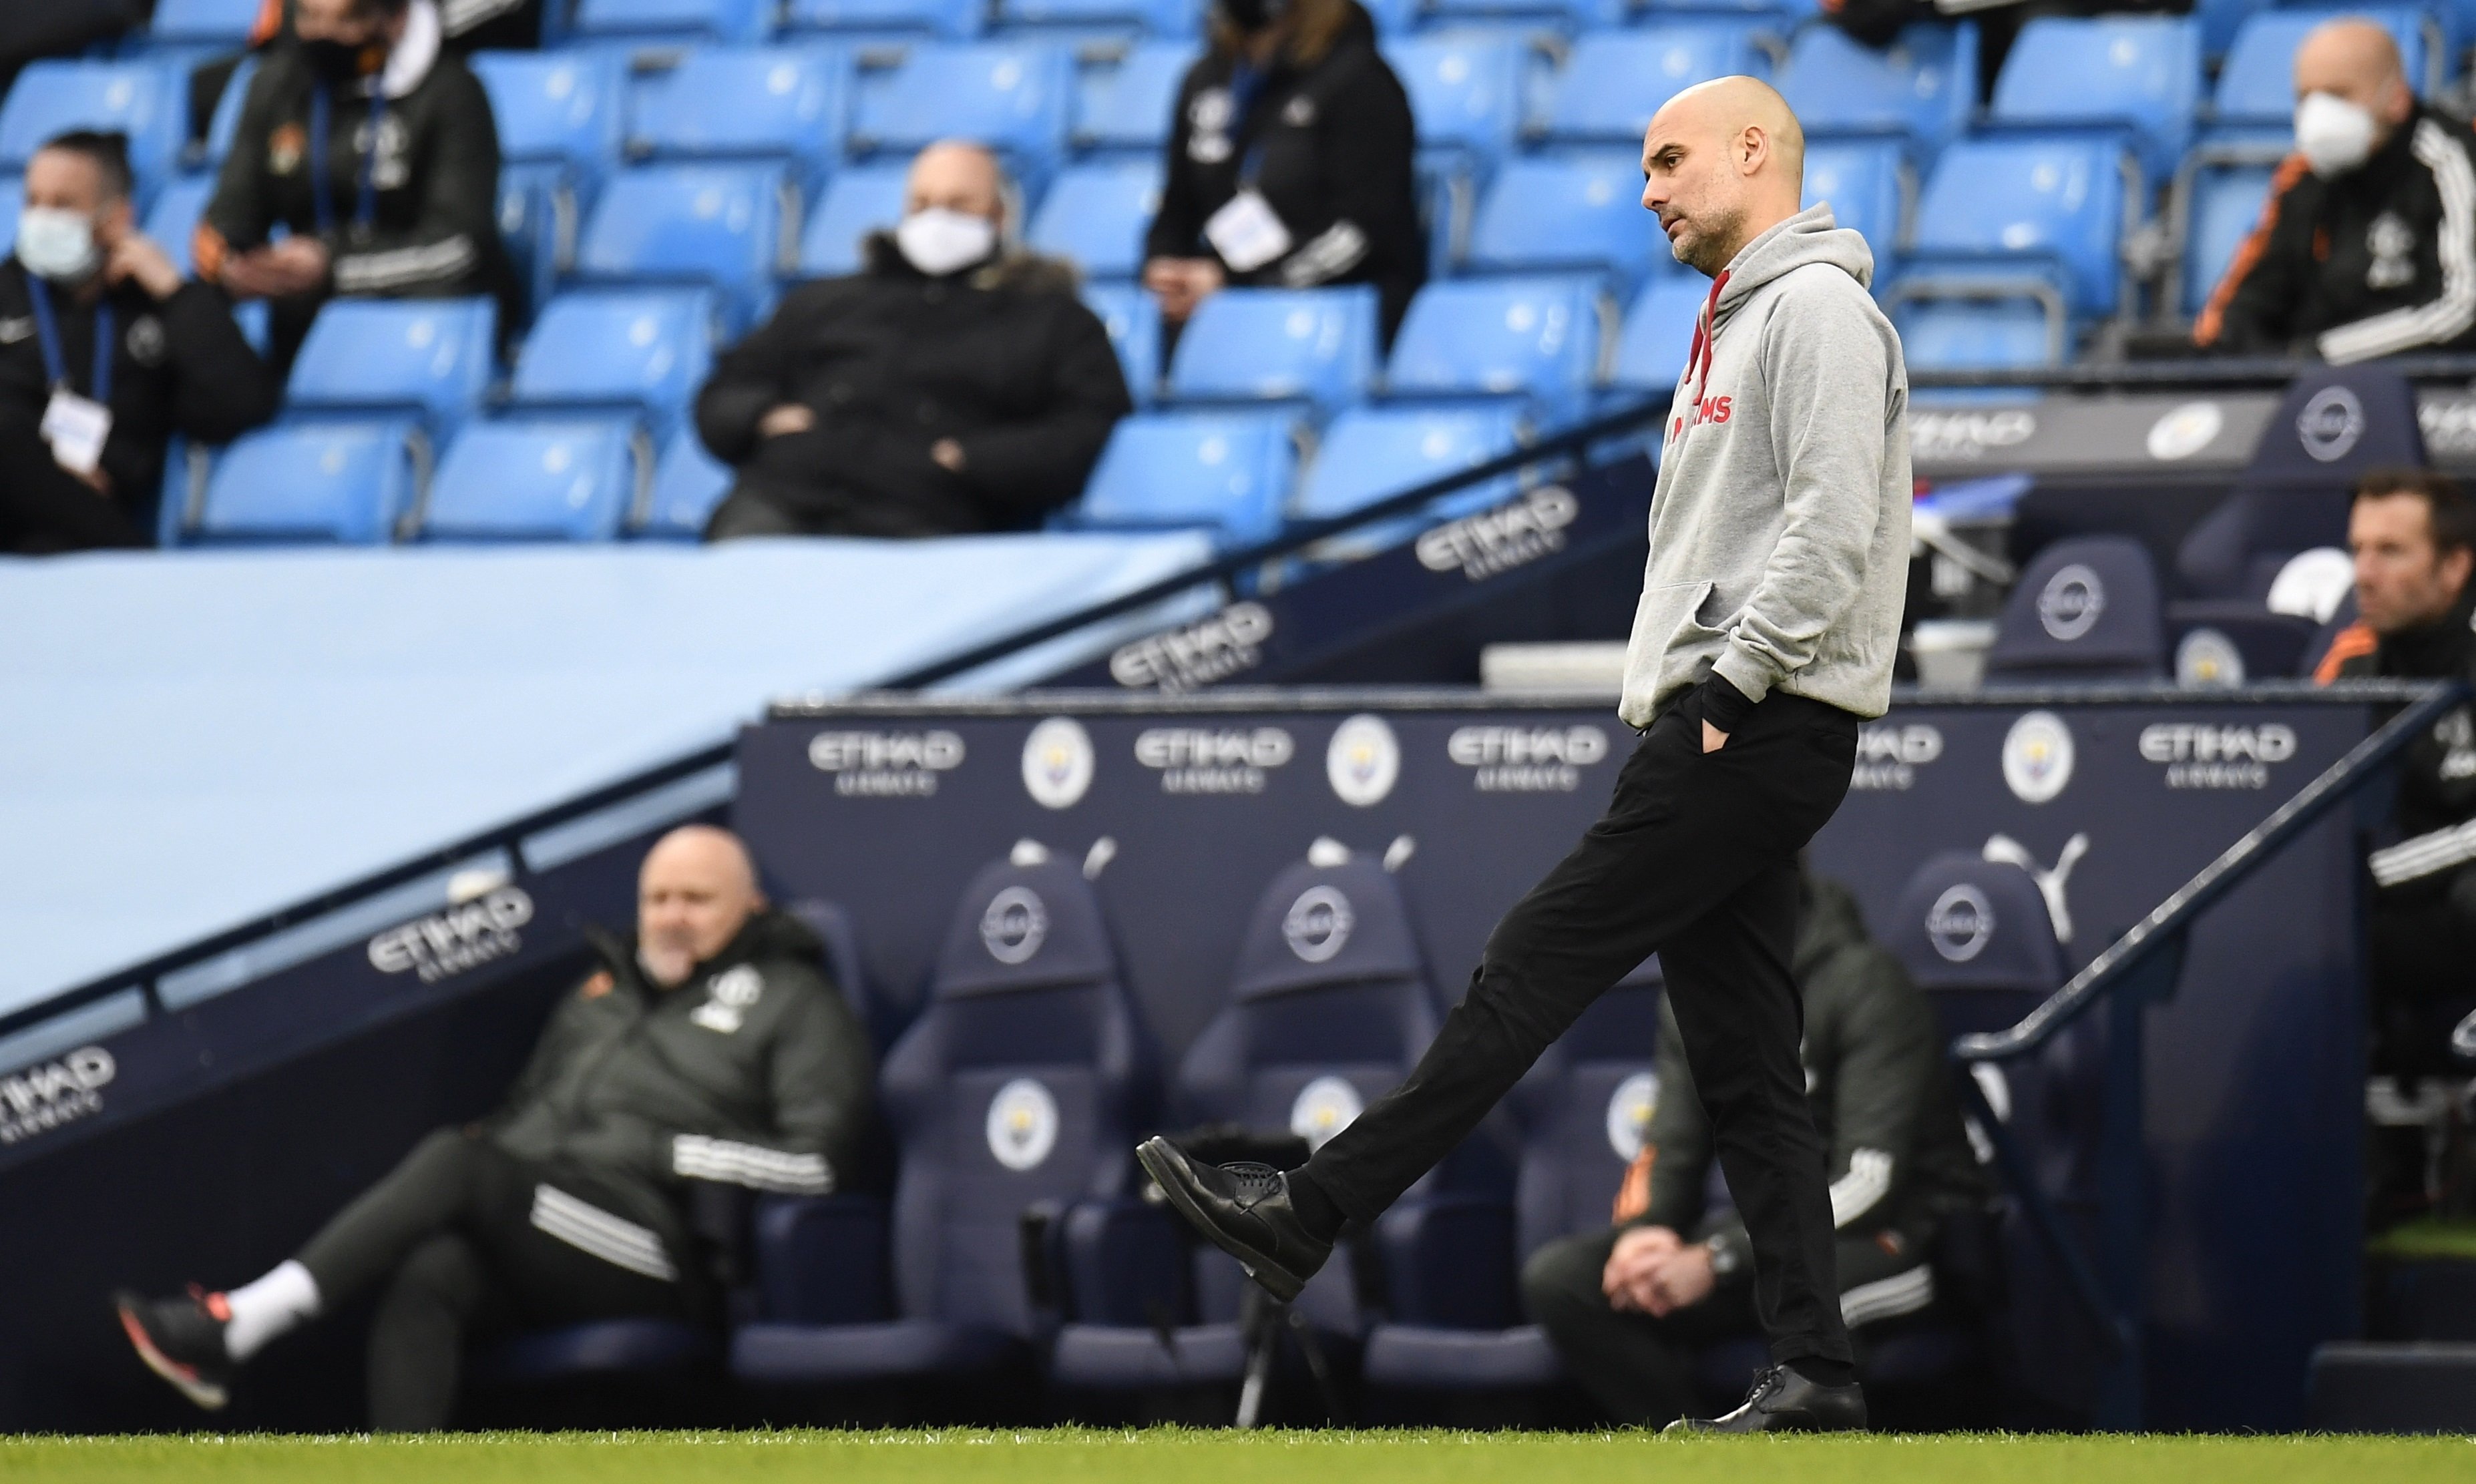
x,y
1779,528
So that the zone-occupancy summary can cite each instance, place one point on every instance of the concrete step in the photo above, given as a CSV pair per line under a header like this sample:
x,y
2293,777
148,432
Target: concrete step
x,y
2375,1386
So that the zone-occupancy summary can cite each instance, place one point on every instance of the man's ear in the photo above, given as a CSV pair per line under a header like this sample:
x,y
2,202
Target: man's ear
x,y
2456,565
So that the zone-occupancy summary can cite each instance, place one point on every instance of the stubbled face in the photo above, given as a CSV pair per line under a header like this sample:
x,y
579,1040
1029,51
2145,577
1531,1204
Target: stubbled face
x,y
1692,186
70,182
2402,579
692,897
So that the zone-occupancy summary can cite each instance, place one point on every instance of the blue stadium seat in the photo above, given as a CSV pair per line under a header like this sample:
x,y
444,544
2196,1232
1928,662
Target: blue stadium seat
x,y
1132,319
1562,16
1657,334
2085,609
2221,211
1125,105
645,351
1312,345
784,101
2026,208
955,19
719,224
1371,453
537,479
1230,471
672,20
536,224
225,122
1466,90
1130,18
688,482
1014,96
1026,1080
1965,334
1923,87
1867,185
1576,210
564,106
605,1348
13,200
1616,80
1094,215
202,24
147,101
1534,338
327,481
2137,74
855,202
171,221
430,358
1453,1315
2257,84
1330,1006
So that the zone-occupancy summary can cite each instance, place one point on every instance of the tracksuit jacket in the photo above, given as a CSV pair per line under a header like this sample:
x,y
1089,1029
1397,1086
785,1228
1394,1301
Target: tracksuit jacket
x,y
2435,810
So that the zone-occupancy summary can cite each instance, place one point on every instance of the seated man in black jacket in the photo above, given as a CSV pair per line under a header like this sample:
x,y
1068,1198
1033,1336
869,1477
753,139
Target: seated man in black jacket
x,y
2367,246
956,386
710,1048
1627,1307
104,354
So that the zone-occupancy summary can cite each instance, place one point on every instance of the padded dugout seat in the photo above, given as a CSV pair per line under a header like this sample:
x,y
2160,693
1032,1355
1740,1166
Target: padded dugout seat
x,y
2086,610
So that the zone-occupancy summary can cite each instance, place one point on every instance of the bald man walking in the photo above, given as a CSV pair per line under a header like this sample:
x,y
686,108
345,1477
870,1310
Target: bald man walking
x,y
1770,615
710,1047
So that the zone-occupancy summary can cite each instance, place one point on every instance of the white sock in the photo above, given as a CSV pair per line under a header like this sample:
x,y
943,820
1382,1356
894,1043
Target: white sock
x,y
268,1307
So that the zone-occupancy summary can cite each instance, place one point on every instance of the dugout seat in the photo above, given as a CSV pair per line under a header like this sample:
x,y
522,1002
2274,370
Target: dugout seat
x,y
1330,1006
1024,1083
350,482
428,358
688,482
1315,346
1577,211
538,479
1616,80
1132,319
1921,89
1095,216
715,225
855,202
840,940
640,351
1230,472
1124,105
1531,341
2086,610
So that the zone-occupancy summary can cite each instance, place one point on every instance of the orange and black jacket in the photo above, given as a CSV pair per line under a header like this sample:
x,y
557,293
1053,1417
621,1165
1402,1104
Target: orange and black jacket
x,y
2436,776
2376,261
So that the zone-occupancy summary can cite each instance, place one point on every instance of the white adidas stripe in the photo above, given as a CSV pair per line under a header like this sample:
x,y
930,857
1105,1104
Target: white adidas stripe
x,y
1868,1181
590,1230
1902,1293
2448,316
696,1156
2424,854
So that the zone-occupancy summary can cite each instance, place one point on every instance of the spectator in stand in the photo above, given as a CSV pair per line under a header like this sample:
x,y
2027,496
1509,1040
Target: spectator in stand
x,y
2367,246
1628,1307
468,26
709,1050
2414,535
104,354
376,152
956,386
1289,163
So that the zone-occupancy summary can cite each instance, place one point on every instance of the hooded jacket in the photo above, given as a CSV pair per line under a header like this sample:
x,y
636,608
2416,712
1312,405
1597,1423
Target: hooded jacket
x,y
1876,1080
1779,526
1004,358
753,1072
2436,806
2370,262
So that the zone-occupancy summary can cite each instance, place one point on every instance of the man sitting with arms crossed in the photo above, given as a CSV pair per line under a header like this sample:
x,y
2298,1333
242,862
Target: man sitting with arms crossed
x,y
1628,1307
570,1204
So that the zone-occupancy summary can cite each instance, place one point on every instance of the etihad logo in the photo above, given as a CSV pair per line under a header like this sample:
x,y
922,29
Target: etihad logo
x,y
885,764
2199,755
1527,759
464,937
1201,761
1201,654
1512,534
38,1099
1888,758
1959,436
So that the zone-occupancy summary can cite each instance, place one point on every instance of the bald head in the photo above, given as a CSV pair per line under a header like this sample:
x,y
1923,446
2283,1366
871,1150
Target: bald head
x,y
2356,62
959,176
1722,163
695,891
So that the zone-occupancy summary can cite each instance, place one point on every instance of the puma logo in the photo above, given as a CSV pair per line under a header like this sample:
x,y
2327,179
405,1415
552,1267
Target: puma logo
x,y
2051,881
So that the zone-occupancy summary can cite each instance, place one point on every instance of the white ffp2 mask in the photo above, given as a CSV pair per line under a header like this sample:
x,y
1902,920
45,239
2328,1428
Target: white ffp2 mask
x,y
938,241
54,242
2333,134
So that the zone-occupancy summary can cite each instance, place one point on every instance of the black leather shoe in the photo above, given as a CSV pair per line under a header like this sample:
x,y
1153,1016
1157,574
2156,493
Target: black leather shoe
x,y
1245,1210
1785,1402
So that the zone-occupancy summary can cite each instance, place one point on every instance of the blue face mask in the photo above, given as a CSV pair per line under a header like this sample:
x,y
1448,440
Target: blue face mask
x,y
55,243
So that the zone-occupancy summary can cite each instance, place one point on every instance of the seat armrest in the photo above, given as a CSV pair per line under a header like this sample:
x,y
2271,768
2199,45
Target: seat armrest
x,y
824,1259
1125,1263
1447,1263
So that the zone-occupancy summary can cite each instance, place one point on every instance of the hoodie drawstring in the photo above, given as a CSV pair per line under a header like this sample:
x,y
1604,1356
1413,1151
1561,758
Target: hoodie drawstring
x,y
1705,338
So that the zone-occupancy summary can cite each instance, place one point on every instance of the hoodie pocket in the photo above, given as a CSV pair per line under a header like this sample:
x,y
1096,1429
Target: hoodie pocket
x,y
1670,614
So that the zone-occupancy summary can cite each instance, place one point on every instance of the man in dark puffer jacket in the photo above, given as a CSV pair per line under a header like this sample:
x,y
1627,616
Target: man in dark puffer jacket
x,y
710,1048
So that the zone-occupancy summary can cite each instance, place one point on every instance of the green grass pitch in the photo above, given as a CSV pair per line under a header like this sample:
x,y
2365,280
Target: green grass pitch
x,y
1177,1456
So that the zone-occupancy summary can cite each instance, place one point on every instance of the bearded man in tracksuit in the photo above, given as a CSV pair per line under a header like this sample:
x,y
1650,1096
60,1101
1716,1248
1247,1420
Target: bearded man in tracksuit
x,y
709,1048
1769,616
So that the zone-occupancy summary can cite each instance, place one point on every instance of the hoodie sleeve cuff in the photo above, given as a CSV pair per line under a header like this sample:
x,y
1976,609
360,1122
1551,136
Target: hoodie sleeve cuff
x,y
1724,706
1746,671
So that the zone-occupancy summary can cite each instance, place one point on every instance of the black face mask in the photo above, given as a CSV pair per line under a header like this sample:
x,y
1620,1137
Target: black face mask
x,y
335,62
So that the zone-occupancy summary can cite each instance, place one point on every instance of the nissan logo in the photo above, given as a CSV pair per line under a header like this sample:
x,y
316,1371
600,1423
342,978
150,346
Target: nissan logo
x,y
1960,922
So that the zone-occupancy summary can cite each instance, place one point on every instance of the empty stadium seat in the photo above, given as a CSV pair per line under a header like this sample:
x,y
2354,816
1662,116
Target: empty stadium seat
x,y
1965,334
1533,338
719,224
1313,345
146,101
688,482
2257,84
1616,80
855,202
536,217
225,122
2220,209
1371,453
1230,471
1923,87
1094,215
2086,610
2025,209
1867,185
1466,89
1657,334
171,220
645,351
564,106
1132,319
2140,74
1125,105
202,24
350,482
535,479
1026,1080
1015,97
958,19
430,357
672,20
1577,211
1085,17
784,101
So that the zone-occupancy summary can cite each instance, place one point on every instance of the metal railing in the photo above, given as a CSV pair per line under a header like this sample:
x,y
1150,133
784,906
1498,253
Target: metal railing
x,y
2138,970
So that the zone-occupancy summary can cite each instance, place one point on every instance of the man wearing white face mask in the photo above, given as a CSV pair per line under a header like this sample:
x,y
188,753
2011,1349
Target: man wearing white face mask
x,y
2367,246
957,385
105,352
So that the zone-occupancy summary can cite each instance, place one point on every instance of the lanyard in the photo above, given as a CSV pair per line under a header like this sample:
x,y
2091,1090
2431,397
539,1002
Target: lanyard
x,y
55,365
1246,86
366,196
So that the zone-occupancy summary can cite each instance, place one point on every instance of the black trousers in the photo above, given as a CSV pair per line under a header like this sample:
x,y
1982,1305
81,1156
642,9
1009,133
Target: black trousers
x,y
453,1233
2423,979
44,507
1695,860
